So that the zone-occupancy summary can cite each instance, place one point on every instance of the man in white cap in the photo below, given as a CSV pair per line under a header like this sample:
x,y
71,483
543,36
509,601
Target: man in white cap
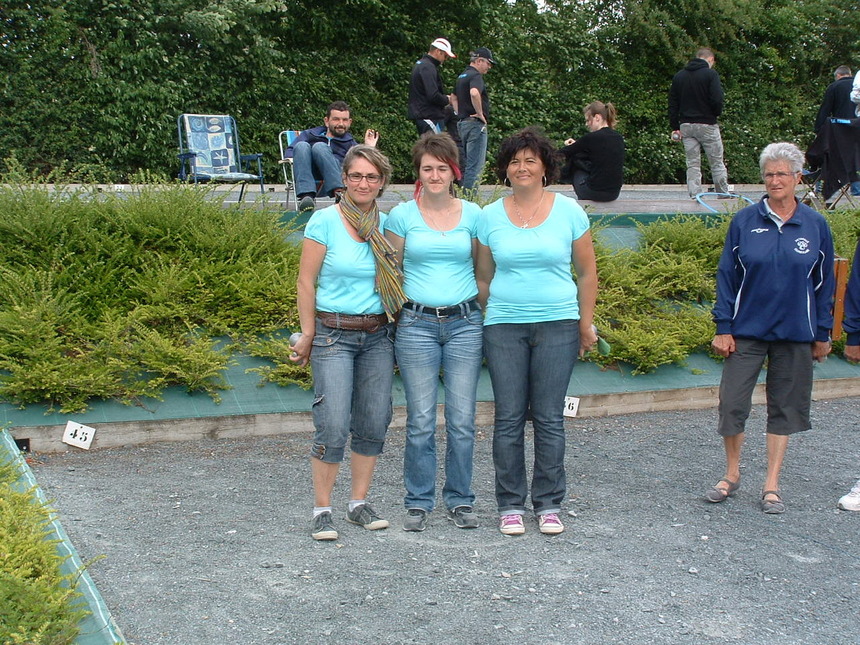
x,y
427,98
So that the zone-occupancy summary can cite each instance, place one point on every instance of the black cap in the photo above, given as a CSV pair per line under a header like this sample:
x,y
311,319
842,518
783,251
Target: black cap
x,y
483,52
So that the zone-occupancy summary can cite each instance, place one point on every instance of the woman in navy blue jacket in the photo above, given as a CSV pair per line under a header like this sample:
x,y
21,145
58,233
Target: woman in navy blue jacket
x,y
774,297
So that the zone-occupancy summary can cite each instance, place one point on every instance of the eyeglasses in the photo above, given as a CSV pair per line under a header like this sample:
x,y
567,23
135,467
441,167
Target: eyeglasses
x,y
357,177
768,176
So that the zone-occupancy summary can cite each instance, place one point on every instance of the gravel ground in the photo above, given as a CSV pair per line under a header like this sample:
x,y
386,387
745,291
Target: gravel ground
x,y
207,543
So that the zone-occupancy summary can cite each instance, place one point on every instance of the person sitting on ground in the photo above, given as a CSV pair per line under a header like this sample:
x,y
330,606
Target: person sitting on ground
x,y
851,325
595,161
318,154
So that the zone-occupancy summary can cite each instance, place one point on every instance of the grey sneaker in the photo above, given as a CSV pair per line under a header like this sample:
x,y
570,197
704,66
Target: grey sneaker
x,y
365,516
416,520
463,517
323,528
306,204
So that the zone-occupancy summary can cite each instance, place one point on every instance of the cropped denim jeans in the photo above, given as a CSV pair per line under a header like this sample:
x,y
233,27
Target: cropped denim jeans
x,y
426,345
530,366
353,372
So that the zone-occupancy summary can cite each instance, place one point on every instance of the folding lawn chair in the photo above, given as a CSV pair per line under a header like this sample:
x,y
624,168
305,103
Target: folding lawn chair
x,y
285,140
209,151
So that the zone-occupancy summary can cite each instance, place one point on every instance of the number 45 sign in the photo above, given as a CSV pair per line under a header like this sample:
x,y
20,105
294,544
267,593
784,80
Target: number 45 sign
x,y
79,435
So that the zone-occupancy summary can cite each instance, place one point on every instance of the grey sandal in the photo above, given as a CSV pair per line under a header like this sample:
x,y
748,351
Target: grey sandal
x,y
775,506
716,495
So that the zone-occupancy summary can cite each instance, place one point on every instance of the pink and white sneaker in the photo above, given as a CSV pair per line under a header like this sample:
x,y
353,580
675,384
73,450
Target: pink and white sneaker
x,y
550,524
512,524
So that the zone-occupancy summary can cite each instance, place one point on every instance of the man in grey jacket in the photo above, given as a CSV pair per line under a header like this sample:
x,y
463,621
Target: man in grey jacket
x,y
695,102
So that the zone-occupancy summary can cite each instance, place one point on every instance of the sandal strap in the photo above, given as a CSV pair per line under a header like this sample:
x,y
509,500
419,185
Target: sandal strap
x,y
765,493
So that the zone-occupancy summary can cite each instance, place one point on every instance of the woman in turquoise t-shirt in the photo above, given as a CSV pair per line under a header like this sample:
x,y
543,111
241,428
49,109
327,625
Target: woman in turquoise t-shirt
x,y
348,291
439,330
538,321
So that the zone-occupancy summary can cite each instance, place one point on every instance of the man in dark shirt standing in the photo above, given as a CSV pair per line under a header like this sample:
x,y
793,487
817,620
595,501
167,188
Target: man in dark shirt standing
x,y
837,98
427,98
473,110
695,102
837,103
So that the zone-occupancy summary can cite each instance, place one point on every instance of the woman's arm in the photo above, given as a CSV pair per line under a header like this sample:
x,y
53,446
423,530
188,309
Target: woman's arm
x,y
485,269
399,244
585,265
313,254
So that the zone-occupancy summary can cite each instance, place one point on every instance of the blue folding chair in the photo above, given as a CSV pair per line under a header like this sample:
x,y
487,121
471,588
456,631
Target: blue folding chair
x,y
285,140
209,151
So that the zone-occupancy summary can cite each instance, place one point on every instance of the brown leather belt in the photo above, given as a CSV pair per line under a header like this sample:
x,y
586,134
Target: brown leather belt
x,y
365,322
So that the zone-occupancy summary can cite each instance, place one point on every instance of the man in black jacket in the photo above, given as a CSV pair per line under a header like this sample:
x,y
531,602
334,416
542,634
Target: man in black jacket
x,y
695,102
427,98
837,98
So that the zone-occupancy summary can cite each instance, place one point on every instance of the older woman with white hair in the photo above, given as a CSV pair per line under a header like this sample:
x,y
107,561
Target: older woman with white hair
x,y
774,296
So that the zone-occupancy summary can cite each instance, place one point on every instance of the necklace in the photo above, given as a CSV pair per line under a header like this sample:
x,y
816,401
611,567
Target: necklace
x,y
434,225
525,222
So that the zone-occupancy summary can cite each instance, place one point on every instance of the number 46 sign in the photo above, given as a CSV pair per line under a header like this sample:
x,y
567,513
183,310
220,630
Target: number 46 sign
x,y
79,435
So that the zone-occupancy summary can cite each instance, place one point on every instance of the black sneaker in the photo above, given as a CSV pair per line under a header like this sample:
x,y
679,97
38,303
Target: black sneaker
x,y
416,520
365,516
323,528
463,517
306,204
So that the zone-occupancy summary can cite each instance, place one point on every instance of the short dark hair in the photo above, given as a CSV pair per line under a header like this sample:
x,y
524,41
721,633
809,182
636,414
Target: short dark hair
x,y
441,146
530,138
842,70
340,106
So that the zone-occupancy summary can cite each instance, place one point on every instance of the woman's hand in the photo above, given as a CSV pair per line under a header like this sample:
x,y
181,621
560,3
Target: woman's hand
x,y
852,353
587,338
569,142
820,350
301,351
723,344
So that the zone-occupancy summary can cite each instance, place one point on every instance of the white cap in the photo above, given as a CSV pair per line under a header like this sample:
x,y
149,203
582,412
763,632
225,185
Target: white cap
x,y
444,45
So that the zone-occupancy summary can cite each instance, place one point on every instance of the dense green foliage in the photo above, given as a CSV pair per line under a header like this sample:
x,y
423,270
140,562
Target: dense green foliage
x,y
119,296
38,605
95,87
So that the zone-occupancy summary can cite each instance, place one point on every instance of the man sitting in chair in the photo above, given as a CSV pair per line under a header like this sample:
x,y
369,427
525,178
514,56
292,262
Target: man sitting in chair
x,y
318,153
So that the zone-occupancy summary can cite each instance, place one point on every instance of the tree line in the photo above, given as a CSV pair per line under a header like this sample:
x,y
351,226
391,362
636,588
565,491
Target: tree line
x,y
92,88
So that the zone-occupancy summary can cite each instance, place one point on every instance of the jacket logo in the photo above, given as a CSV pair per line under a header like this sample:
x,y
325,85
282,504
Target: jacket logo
x,y
760,230
802,245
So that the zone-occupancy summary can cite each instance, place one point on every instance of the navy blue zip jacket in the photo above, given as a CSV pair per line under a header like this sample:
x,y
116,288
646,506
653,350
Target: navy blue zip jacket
x,y
851,322
339,145
776,285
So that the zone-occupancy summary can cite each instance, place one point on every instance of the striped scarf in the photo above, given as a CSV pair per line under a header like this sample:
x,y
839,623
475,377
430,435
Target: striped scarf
x,y
389,278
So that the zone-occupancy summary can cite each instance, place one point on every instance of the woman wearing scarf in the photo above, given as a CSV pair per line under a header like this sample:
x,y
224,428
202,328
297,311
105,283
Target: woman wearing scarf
x,y
348,294
439,331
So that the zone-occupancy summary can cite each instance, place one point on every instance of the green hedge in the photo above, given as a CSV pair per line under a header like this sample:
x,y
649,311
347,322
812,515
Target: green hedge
x,y
121,295
38,605
94,88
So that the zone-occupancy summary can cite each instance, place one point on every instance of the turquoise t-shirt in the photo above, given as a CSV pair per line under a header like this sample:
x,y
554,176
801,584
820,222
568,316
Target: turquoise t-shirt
x,y
347,280
533,280
437,266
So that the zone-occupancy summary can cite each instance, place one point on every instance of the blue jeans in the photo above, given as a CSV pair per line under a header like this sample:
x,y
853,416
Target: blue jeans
x,y
312,163
425,345
473,135
530,366
353,372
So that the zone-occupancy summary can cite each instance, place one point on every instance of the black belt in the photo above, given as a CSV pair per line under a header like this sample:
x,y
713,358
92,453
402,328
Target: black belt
x,y
472,118
463,309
